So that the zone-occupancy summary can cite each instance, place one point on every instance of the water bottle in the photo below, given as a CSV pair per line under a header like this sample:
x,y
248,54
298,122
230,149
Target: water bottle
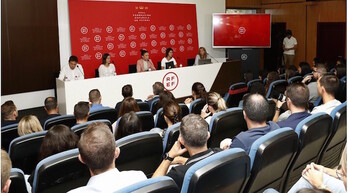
x,y
180,65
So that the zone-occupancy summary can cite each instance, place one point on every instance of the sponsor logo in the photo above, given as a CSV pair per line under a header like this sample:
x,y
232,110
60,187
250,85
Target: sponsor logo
x,y
109,29
122,53
170,81
132,28
85,47
97,38
110,46
121,37
98,55
153,28
153,43
241,30
84,30
244,56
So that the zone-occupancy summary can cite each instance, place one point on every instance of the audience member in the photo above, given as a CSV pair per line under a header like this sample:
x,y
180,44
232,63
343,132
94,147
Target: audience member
x,y
6,166
316,61
327,86
29,124
98,151
81,112
318,71
128,124
198,91
257,88
296,103
248,76
271,77
215,103
51,108
129,104
255,111
157,89
95,99
9,113
172,114
304,68
290,72
193,136
340,71
127,91
164,98
73,71
341,61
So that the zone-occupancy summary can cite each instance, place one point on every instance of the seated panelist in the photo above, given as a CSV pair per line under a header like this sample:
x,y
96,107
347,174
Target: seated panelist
x,y
145,63
107,68
73,71
168,61
202,54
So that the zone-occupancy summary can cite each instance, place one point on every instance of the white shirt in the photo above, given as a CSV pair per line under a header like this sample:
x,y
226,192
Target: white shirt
x,y
110,181
289,43
66,74
107,71
327,107
164,61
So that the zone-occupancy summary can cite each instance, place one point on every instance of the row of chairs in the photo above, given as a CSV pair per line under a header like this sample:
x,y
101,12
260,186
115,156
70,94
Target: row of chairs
x,y
275,160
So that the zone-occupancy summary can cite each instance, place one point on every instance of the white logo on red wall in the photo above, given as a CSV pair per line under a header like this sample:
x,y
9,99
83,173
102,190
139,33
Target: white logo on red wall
x,y
98,55
163,50
121,37
171,27
153,28
181,34
122,53
241,30
110,46
170,81
153,43
133,44
182,48
172,42
244,56
189,27
109,29
84,30
97,38
163,35
143,36
132,28
85,47
189,41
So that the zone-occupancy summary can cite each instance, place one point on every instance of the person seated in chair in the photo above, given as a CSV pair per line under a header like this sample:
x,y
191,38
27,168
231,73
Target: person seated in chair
x,y
9,113
95,99
311,80
51,108
127,91
97,149
81,112
73,71
157,89
194,135
6,166
215,103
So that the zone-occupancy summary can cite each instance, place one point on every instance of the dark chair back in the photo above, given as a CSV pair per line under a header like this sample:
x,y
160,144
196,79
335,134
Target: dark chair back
x,y
196,106
184,109
109,114
140,151
224,124
159,65
295,79
271,111
18,184
313,133
8,133
143,106
170,137
190,61
341,93
132,68
24,151
331,154
96,72
60,173
146,119
277,87
162,184
251,82
68,120
159,121
209,174
79,129
236,93
271,154
154,106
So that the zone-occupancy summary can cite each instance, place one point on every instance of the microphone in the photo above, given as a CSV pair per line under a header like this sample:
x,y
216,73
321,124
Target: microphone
x,y
77,65
212,57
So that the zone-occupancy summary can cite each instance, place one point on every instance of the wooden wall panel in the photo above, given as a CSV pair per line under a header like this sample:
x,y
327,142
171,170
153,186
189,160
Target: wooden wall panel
x,y
280,1
323,11
234,4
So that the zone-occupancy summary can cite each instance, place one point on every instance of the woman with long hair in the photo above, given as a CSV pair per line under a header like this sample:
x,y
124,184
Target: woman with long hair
x,y
107,68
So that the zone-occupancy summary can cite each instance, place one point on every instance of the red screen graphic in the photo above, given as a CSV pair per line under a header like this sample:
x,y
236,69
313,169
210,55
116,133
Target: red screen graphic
x,y
123,28
241,30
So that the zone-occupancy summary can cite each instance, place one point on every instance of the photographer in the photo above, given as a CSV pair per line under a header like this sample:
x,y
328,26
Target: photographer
x,y
297,95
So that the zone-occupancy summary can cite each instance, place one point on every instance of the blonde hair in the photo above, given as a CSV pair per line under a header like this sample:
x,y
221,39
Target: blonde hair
x,y
29,124
216,101
343,161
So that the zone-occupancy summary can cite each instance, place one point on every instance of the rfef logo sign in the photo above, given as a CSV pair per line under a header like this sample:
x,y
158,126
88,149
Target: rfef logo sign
x,y
170,81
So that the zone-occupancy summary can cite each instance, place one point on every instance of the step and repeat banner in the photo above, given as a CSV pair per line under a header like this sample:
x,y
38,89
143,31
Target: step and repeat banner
x,y
123,28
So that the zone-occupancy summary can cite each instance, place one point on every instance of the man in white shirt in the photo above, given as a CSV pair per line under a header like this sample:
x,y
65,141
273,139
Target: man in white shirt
x,y
98,151
327,87
73,71
289,47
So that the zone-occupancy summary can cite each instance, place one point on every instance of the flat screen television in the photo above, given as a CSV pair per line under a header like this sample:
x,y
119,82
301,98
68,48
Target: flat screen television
x,y
241,30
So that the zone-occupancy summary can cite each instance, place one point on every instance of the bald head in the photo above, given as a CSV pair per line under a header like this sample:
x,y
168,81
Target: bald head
x,y
256,108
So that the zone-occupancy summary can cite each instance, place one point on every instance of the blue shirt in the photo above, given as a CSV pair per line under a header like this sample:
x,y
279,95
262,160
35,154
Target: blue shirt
x,y
97,107
246,139
293,120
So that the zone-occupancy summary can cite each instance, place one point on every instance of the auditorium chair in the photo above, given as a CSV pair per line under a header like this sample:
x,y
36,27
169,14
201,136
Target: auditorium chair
x,y
24,151
190,61
159,67
236,93
140,151
226,124
154,106
96,72
184,109
170,137
295,79
196,106
313,132
282,76
318,101
143,106
18,184
159,121
277,87
146,119
8,133
251,82
162,184
68,120
80,128
270,158
341,94
331,154
132,68
271,111
109,114
60,173
226,171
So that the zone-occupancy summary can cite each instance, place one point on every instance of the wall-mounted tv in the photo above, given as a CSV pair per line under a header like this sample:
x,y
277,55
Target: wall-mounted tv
x,y
241,30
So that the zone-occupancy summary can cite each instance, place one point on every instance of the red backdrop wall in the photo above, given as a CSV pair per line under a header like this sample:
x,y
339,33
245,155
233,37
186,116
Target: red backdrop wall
x,y
123,28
